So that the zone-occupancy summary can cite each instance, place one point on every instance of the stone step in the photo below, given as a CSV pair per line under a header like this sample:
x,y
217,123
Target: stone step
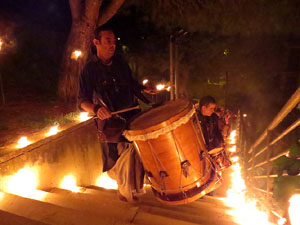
x,y
101,205
205,207
48,213
12,219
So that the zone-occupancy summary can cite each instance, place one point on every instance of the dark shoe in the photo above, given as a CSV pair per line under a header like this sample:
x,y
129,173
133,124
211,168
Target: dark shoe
x,y
121,197
124,199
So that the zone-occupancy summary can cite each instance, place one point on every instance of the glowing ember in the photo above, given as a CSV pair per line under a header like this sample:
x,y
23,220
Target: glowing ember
x,y
53,130
84,116
76,54
69,183
160,87
145,81
106,182
244,211
232,149
294,209
23,142
232,137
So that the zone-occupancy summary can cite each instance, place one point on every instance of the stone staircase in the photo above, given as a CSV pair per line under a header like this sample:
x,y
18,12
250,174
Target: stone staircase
x,y
94,205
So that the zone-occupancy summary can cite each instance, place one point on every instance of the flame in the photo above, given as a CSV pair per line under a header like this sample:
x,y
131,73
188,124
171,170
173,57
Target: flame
x,y
160,87
23,142
244,211
1,195
1,43
281,221
232,148
76,54
294,209
84,116
232,137
245,115
24,183
53,130
168,88
69,183
234,159
106,182
145,81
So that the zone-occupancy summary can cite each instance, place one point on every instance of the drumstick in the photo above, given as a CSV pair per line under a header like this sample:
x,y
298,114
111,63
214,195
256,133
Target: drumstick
x,y
126,110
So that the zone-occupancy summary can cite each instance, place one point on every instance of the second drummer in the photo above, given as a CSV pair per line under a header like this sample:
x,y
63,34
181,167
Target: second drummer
x,y
209,123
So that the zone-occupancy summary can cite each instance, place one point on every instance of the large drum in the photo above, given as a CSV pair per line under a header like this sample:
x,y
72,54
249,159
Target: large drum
x,y
170,143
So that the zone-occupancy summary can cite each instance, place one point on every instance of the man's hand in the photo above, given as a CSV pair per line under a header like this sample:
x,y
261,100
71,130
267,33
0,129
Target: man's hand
x,y
103,113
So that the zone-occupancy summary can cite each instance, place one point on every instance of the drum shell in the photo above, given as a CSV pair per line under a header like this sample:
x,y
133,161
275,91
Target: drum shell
x,y
167,152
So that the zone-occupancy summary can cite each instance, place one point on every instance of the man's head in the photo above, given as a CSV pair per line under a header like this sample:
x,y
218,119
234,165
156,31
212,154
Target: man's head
x,y
207,105
105,42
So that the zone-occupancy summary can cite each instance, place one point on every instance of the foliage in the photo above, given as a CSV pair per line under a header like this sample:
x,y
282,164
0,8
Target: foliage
x,y
285,186
38,121
253,34
3,125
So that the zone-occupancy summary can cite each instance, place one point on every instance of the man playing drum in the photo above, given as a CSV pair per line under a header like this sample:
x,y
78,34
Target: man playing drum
x,y
106,85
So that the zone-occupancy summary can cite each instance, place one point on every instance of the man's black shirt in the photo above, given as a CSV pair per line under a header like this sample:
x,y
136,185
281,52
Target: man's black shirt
x,y
111,85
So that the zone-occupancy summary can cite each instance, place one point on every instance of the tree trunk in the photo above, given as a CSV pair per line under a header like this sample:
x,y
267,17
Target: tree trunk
x,y
85,18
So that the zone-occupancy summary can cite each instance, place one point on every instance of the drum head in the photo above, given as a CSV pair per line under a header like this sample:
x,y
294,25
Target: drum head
x,y
159,114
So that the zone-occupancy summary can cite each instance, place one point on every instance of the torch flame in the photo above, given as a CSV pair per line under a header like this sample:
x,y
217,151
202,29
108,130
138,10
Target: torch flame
x,y
1,195
24,183
145,81
232,148
160,87
106,182
244,211
232,137
282,221
234,159
69,183
53,130
23,142
84,116
294,209
76,54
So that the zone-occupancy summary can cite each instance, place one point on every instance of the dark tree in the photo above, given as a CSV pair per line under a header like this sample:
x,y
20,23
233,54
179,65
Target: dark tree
x,y
86,15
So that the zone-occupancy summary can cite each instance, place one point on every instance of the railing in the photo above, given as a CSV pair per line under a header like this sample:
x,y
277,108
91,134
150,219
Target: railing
x,y
258,160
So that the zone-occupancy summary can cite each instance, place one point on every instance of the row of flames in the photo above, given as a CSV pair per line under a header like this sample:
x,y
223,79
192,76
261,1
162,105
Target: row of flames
x,y
245,210
25,182
23,141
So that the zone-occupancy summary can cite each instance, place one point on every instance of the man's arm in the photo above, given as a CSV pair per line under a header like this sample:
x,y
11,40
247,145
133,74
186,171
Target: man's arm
x,y
86,95
101,111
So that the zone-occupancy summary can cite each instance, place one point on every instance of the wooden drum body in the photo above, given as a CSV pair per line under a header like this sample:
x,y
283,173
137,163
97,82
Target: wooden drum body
x,y
171,146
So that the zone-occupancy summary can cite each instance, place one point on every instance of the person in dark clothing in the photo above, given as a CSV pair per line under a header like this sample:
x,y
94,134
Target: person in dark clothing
x,y
106,85
209,123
